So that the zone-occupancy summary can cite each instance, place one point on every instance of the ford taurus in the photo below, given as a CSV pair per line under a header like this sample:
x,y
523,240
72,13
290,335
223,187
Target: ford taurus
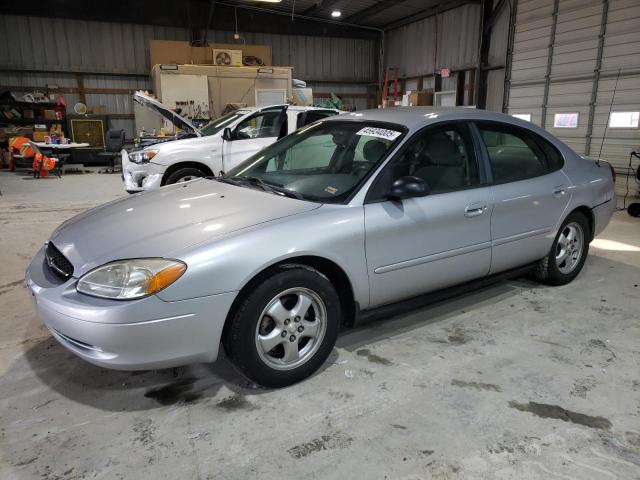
x,y
346,215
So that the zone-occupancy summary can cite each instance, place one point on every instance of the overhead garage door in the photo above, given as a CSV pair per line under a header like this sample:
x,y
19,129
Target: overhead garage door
x,y
566,58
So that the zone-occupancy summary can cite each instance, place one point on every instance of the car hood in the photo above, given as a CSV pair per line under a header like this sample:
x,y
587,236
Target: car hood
x,y
172,218
178,120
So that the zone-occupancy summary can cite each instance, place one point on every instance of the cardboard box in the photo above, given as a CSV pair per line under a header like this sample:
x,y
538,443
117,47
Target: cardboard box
x,y
99,110
388,104
39,133
182,53
421,98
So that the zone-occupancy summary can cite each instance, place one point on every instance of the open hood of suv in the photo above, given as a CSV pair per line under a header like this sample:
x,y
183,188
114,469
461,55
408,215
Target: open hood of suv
x,y
166,112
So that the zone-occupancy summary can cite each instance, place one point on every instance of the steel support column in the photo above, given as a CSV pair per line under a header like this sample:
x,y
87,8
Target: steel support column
x,y
596,77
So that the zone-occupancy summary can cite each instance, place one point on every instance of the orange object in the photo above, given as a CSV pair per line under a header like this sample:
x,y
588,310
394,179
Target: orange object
x,y
42,165
16,146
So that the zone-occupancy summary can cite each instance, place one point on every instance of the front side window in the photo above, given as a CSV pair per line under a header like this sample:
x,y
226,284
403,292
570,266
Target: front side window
x,y
443,156
515,154
262,125
325,161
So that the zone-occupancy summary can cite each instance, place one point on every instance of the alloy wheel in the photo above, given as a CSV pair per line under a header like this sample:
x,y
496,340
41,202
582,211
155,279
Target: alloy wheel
x,y
291,328
569,248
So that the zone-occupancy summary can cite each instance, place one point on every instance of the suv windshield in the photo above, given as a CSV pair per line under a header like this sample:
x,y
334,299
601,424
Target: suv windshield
x,y
322,162
214,126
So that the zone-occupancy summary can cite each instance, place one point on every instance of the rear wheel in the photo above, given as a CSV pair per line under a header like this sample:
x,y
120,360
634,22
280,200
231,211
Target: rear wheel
x,y
568,253
184,175
284,330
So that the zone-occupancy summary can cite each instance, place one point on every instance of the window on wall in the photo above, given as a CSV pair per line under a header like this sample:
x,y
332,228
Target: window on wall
x,y
565,120
522,116
624,120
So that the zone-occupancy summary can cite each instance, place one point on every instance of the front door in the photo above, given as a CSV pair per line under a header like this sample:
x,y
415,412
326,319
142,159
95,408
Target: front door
x,y
252,135
422,244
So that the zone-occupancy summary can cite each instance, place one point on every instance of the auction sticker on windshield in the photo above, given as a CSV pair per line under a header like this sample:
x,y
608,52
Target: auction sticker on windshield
x,y
379,133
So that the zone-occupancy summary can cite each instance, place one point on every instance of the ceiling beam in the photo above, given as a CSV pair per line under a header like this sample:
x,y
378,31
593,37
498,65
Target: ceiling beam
x,y
380,6
319,7
428,12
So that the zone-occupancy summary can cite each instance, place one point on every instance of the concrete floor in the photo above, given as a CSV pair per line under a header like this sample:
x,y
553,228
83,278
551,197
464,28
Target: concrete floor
x,y
516,380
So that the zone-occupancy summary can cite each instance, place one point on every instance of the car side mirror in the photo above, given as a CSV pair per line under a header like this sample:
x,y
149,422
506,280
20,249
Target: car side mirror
x,y
408,187
226,134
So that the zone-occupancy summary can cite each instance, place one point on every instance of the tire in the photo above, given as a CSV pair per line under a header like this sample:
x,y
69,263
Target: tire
x,y
568,252
184,174
267,317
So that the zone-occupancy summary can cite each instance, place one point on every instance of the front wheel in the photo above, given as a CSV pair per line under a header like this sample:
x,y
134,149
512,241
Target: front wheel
x,y
285,329
184,175
568,252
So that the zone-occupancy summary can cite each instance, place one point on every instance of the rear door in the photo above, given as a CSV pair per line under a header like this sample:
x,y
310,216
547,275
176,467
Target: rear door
x,y
531,193
253,134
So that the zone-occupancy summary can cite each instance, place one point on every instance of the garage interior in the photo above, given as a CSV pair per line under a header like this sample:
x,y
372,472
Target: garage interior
x,y
511,380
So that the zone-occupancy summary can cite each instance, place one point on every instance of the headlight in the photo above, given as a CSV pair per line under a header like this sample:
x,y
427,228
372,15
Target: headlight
x,y
143,156
130,279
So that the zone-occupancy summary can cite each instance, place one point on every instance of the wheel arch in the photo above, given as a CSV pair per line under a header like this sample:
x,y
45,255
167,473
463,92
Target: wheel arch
x,y
588,214
188,164
331,270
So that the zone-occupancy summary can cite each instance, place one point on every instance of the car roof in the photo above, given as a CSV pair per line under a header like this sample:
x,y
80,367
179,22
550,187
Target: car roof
x,y
289,107
415,118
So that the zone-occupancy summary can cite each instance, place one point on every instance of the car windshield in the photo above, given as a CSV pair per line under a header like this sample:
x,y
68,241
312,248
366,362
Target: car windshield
x,y
322,162
214,126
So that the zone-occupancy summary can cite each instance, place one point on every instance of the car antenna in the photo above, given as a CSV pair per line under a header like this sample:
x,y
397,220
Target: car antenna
x,y
606,125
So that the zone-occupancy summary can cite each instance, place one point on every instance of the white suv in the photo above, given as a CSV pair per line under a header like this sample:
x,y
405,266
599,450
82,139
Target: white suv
x,y
218,146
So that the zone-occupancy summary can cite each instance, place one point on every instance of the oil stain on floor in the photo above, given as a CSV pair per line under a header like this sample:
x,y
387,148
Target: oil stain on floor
x,y
544,410
373,358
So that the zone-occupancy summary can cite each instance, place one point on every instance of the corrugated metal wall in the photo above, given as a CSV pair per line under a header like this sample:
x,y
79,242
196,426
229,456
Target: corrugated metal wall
x,y
567,55
70,46
422,47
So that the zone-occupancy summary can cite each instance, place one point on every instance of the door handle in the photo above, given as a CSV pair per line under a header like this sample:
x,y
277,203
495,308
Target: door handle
x,y
475,209
559,191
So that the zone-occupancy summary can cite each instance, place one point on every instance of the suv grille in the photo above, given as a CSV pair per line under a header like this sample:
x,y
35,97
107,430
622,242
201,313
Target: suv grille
x,y
58,263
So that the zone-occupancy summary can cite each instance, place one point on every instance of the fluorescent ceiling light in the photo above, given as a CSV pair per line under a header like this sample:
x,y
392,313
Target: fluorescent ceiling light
x,y
268,1
336,13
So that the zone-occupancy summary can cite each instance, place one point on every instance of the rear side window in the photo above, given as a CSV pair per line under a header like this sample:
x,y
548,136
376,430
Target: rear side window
x,y
517,154
310,116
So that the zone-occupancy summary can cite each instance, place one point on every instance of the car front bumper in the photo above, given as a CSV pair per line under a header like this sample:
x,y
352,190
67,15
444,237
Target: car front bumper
x,y
142,334
139,177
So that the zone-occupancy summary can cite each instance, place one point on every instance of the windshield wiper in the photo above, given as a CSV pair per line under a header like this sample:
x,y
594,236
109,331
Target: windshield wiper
x,y
267,186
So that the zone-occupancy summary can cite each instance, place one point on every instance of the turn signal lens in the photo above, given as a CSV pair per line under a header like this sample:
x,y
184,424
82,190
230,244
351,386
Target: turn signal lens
x,y
165,277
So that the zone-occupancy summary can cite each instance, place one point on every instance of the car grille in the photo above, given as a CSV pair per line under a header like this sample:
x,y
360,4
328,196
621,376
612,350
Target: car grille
x,y
58,263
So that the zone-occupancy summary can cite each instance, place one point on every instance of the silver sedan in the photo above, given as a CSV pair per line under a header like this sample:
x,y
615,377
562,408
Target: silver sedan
x,y
346,215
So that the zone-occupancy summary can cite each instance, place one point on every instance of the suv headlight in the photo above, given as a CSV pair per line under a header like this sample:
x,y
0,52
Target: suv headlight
x,y
143,156
131,279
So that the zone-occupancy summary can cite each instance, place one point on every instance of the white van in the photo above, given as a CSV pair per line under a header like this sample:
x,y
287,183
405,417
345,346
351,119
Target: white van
x,y
218,146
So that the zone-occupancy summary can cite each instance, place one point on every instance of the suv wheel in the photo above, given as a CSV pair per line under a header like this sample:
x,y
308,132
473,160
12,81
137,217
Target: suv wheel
x,y
184,175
